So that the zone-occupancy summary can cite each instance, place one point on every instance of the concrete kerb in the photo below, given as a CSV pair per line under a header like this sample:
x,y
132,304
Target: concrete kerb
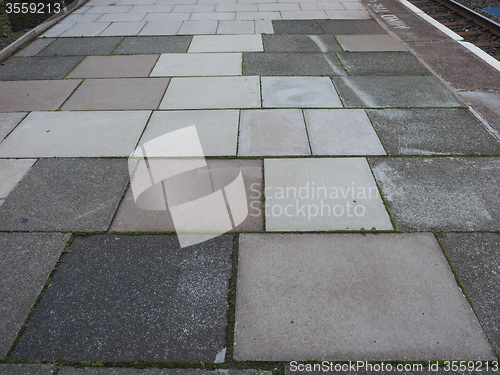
x,y
39,30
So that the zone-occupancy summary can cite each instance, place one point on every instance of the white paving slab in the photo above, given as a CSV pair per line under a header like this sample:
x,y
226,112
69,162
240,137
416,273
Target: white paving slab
x,y
11,172
299,92
119,17
217,130
73,134
273,132
236,27
123,28
342,132
198,27
8,121
379,297
322,194
167,17
212,93
226,43
161,28
198,64
57,29
85,29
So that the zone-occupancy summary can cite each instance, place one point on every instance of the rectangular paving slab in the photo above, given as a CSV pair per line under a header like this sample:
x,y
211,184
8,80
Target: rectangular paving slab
x,y
226,43
369,43
308,27
35,95
8,121
34,47
81,46
381,63
26,261
66,195
67,134
153,44
458,194
198,64
476,260
322,194
300,43
291,64
348,296
273,132
394,91
110,291
351,27
25,68
427,131
114,66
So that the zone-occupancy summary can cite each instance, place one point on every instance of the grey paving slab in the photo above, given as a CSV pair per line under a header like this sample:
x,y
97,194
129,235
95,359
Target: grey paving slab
x,y
458,66
11,172
273,132
161,28
25,369
351,27
487,103
198,64
292,64
198,27
27,68
82,46
8,121
308,27
459,194
349,296
130,217
381,63
322,194
26,262
118,94
300,43
66,195
114,66
34,47
299,92
236,27
370,43
85,29
35,95
155,371
153,44
212,92
342,132
78,134
173,310
476,260
394,91
226,43
428,131
123,28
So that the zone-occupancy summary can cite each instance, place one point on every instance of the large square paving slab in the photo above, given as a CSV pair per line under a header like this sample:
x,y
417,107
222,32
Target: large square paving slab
x,y
118,94
66,134
475,257
226,43
198,64
26,261
153,44
24,68
299,92
217,130
351,27
427,131
394,91
81,46
322,194
212,92
459,194
35,95
133,298
114,66
66,195
11,172
381,63
133,215
350,296
8,121
341,132
300,43
273,132
291,64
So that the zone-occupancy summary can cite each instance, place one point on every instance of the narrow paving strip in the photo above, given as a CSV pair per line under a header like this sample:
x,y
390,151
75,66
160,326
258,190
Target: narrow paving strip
x,y
359,192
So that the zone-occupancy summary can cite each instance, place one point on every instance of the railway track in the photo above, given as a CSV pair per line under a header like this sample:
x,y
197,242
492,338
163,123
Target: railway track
x,y
470,24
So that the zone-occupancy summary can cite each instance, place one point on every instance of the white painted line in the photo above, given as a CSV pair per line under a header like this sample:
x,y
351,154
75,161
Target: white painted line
x,y
483,55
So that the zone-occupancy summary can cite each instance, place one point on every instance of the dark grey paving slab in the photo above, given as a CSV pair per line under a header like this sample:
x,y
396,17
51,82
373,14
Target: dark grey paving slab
x,y
381,63
296,27
475,257
25,369
24,68
291,64
394,91
132,298
82,46
351,27
66,195
427,131
155,371
154,44
456,194
34,47
26,261
487,103
457,65
300,43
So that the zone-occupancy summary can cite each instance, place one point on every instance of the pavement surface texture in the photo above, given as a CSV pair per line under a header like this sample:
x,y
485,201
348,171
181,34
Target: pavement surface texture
x,y
223,187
